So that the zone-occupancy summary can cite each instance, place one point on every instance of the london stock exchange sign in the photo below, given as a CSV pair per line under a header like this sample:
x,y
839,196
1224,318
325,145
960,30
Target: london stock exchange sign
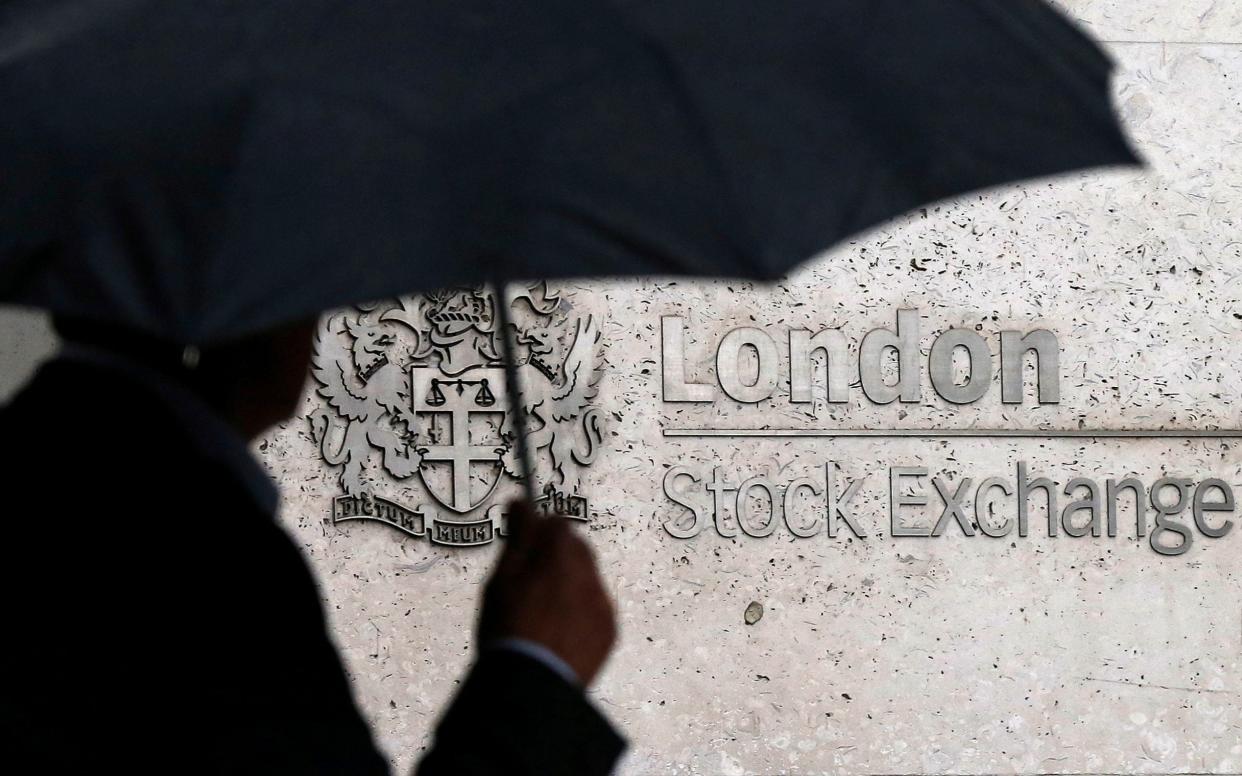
x,y
414,402
922,503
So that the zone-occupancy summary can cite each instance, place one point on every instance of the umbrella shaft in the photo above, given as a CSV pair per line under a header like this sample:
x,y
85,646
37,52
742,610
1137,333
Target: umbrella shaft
x,y
526,461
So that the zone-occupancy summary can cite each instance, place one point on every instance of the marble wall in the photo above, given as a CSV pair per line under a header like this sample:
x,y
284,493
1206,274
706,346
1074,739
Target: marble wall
x,y
882,654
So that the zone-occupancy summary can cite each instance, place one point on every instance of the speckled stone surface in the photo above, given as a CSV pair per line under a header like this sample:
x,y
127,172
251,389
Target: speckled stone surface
x,y
881,654
1160,21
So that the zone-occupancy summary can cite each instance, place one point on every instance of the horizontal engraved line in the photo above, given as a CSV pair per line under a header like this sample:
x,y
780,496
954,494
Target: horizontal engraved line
x,y
979,433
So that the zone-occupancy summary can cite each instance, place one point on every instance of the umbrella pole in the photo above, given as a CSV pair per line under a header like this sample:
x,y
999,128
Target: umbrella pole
x,y
526,462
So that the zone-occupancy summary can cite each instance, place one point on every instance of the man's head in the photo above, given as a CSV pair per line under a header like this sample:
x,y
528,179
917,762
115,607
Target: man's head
x,y
254,382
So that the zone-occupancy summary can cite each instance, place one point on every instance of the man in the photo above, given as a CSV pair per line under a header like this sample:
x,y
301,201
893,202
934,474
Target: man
x,y
159,620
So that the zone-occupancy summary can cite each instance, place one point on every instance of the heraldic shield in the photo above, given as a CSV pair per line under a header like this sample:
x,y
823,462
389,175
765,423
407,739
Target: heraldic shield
x,y
460,421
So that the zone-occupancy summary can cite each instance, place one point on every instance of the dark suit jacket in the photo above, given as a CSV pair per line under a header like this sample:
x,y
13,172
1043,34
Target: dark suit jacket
x,y
159,621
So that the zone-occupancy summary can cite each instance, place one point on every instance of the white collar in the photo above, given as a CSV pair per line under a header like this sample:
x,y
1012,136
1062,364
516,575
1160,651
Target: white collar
x,y
214,438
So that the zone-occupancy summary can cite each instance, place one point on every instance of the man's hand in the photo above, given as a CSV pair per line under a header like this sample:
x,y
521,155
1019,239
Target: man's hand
x,y
546,589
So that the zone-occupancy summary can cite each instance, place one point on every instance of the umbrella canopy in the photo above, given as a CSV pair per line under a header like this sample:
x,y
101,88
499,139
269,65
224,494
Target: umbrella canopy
x,y
200,169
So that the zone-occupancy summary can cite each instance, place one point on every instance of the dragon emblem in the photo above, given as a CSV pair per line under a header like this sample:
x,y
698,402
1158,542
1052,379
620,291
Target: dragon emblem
x,y
416,385
569,385
370,402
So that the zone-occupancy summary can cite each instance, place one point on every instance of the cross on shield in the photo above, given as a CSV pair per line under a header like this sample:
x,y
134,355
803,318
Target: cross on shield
x,y
459,432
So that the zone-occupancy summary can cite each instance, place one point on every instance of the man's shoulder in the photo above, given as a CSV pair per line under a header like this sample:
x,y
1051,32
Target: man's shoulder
x,y
86,432
62,389
70,396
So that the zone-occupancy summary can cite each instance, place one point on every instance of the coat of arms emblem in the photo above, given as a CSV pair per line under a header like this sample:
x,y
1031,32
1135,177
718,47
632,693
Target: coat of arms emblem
x,y
415,409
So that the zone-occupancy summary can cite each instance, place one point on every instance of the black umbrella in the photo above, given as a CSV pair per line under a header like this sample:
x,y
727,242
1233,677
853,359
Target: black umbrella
x,y
200,169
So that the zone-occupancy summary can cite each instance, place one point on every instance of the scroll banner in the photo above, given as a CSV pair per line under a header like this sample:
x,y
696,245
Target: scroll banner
x,y
452,533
